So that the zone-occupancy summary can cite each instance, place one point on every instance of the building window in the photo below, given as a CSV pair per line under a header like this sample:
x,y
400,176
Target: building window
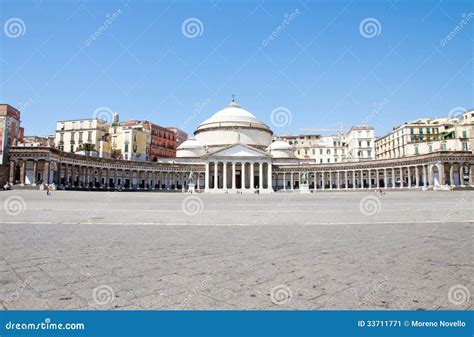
x,y
369,153
464,134
417,150
368,143
360,143
464,146
443,147
420,131
89,136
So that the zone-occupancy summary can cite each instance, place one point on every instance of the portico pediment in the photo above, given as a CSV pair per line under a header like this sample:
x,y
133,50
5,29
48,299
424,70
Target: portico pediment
x,y
240,151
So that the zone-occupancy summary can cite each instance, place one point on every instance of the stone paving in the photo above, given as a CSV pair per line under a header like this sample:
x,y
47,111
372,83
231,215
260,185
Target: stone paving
x,y
329,250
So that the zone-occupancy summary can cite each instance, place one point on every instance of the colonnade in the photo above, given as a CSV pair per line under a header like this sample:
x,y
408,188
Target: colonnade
x,y
410,176
238,175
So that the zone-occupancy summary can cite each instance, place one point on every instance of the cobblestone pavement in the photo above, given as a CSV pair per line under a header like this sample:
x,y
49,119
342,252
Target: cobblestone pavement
x,y
329,250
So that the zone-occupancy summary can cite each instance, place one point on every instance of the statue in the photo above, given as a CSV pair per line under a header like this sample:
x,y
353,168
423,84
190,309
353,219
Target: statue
x,y
304,177
191,179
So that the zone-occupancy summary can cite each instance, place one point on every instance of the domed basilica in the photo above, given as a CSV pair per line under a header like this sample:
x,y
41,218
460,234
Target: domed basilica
x,y
238,150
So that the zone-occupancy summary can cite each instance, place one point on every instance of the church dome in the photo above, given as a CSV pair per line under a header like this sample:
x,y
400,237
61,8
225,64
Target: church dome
x,y
233,124
233,114
281,149
190,148
280,145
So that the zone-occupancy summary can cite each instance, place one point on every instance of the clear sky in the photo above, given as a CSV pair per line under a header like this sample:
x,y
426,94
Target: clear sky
x,y
175,63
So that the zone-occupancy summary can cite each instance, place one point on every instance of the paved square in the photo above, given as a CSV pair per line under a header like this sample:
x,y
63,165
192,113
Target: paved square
x,y
329,250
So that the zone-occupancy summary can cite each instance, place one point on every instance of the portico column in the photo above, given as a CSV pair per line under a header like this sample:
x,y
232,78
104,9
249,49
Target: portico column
x,y
346,180
377,180
233,175
269,176
260,175
385,181
291,181
361,180
252,176
323,180
338,180
206,181
353,180
243,176
284,180
224,170
369,178
424,176
216,175
330,180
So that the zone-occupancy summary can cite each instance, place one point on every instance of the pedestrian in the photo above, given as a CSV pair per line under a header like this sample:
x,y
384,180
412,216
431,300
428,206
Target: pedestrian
x,y
48,190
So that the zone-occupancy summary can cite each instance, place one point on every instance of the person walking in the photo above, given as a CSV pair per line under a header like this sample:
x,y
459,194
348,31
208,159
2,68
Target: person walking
x,y
48,190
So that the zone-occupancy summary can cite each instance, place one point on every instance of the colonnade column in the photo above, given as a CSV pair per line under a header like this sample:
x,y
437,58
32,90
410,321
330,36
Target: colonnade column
x,y
394,179
269,176
323,182
385,181
12,172
417,176
291,181
284,181
401,177
338,180
353,180
409,177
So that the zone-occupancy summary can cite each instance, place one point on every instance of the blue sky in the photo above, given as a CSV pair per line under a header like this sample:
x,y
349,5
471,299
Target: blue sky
x,y
323,65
